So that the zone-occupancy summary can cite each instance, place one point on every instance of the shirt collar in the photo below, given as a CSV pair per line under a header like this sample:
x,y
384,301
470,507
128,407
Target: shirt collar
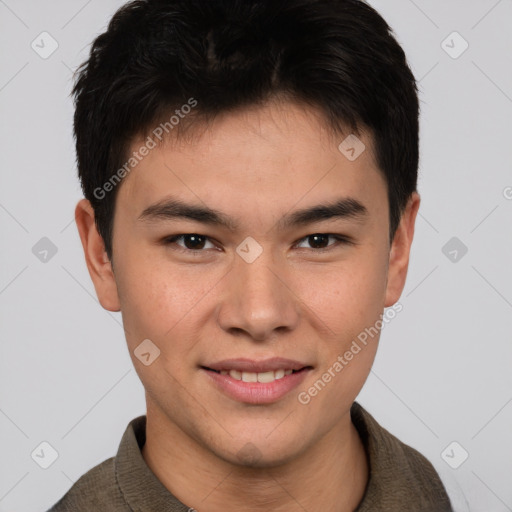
x,y
144,492
139,486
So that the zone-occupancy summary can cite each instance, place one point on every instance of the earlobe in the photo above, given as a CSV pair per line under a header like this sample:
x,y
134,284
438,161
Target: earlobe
x,y
98,264
400,251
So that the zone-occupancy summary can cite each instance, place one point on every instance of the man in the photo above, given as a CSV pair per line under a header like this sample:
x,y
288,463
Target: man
x,y
249,171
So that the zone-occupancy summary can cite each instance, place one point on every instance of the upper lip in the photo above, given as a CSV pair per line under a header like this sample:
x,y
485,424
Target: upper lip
x,y
250,365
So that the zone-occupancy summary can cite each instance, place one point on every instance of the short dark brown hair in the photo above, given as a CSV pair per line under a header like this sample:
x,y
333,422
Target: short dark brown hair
x,y
159,55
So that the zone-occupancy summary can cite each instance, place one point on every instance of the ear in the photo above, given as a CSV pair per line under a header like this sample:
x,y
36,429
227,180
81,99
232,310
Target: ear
x,y
399,252
100,268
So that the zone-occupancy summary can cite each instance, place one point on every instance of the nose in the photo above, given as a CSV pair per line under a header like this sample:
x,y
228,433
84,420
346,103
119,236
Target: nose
x,y
258,300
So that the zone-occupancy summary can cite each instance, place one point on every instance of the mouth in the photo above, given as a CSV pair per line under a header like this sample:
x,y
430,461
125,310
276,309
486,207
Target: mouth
x,y
262,377
256,383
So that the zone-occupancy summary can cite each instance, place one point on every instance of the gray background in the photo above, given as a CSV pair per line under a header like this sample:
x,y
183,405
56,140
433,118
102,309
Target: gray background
x,y
443,370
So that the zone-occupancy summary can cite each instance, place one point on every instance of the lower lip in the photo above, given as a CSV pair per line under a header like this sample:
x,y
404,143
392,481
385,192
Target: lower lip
x,y
257,392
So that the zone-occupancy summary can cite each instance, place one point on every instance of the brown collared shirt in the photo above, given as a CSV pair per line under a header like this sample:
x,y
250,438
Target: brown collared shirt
x,y
400,480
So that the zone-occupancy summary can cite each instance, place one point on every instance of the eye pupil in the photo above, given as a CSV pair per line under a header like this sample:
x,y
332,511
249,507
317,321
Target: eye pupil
x,y
318,240
197,241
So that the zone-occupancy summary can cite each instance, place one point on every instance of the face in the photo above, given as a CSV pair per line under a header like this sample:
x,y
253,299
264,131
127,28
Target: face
x,y
269,269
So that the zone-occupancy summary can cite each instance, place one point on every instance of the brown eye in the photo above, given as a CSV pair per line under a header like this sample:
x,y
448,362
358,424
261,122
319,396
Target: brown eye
x,y
191,242
194,241
320,241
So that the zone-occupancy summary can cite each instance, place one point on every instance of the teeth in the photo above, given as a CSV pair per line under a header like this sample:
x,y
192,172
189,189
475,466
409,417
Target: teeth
x,y
265,377
279,374
262,377
235,374
250,376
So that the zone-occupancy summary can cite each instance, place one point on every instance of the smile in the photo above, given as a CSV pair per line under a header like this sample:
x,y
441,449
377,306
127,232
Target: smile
x,y
256,387
263,377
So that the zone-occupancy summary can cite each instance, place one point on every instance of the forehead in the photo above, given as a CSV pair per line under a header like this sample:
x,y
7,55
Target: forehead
x,y
275,154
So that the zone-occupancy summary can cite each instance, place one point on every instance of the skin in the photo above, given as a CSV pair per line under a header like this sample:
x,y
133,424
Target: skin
x,y
293,301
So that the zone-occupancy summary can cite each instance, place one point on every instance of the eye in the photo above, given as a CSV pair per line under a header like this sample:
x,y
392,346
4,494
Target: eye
x,y
192,242
320,241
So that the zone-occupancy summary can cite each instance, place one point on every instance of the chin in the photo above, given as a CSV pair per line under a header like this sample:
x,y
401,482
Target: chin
x,y
260,453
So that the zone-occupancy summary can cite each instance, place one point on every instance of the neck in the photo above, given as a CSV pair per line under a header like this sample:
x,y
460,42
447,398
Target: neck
x,y
331,475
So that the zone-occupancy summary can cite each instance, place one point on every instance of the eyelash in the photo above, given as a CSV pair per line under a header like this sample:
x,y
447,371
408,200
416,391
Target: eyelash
x,y
340,239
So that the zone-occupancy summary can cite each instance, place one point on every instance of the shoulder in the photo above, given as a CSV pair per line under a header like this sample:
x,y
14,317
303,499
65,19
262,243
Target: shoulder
x,y
400,476
95,490
100,488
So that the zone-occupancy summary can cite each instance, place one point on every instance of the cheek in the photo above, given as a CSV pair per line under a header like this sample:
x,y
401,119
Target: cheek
x,y
347,297
157,305
159,300
350,303
148,292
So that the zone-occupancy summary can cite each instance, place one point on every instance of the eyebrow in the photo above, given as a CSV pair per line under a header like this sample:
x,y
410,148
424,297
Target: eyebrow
x,y
172,208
